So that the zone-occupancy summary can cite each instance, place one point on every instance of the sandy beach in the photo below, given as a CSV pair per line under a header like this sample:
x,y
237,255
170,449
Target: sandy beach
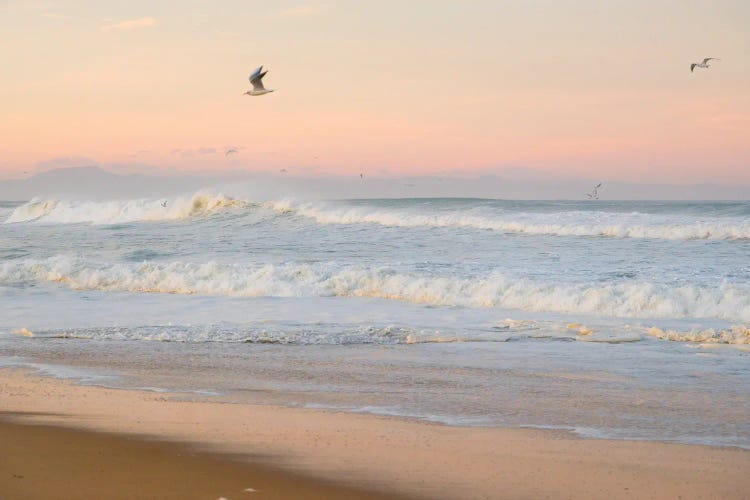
x,y
56,462
231,447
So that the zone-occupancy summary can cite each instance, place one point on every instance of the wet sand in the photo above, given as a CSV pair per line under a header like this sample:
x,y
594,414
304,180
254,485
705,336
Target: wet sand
x,y
367,453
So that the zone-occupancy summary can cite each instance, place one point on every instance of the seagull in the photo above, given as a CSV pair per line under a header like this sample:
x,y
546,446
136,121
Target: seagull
x,y
230,151
594,195
256,78
703,64
164,203
361,176
283,170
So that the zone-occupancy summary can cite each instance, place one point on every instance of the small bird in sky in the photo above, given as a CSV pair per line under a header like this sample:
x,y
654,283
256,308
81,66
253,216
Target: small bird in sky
x,y
256,78
283,170
594,195
164,203
703,64
230,151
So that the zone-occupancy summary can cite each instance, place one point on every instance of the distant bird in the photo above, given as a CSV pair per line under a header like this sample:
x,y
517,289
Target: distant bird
x,y
283,170
703,64
256,78
361,176
164,203
230,151
594,195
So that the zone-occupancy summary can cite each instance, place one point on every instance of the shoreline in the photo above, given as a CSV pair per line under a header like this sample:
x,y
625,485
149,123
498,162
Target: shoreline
x,y
369,453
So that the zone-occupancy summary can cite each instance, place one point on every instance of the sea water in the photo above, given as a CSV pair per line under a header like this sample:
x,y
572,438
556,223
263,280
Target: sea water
x,y
611,319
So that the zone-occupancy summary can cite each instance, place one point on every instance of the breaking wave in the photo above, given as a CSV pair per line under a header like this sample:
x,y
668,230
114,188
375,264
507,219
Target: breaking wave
x,y
489,218
578,223
495,290
115,212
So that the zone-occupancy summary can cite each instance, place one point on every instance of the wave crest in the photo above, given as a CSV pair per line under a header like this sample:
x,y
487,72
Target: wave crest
x,y
644,300
572,224
116,212
565,223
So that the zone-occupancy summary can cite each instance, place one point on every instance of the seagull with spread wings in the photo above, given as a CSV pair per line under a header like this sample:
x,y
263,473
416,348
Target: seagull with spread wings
x,y
703,64
256,78
594,195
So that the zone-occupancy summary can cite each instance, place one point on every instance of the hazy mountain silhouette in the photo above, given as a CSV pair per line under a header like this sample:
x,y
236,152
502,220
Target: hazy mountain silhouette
x,y
91,183
95,183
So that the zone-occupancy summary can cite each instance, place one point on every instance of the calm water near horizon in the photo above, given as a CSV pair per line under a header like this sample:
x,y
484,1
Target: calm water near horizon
x,y
613,319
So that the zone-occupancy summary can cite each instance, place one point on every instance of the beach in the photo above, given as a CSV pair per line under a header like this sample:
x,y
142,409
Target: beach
x,y
405,250
356,347
246,446
56,462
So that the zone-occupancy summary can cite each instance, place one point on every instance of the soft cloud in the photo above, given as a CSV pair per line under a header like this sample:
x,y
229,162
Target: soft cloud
x,y
301,10
189,153
132,24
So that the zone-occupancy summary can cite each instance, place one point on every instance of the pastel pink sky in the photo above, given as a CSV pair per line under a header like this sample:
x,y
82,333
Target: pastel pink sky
x,y
588,88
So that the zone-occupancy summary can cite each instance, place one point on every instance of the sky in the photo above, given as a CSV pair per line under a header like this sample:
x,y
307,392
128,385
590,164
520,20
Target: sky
x,y
581,88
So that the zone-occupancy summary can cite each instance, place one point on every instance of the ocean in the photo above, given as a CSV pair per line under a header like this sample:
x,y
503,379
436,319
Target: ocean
x,y
610,319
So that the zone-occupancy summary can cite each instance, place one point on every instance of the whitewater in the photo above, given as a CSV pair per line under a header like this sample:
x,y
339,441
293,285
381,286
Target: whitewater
x,y
656,223
461,311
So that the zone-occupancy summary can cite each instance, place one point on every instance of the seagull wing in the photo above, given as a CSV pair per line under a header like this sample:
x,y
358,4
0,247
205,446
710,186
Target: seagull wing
x,y
598,185
710,59
255,73
692,67
256,78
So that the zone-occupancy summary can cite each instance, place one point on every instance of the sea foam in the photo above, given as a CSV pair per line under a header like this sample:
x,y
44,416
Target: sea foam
x,y
121,211
580,223
572,224
737,334
636,299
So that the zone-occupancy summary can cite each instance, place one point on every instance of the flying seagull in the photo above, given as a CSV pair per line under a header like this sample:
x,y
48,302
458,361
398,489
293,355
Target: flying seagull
x,y
703,64
256,78
230,151
164,203
594,195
